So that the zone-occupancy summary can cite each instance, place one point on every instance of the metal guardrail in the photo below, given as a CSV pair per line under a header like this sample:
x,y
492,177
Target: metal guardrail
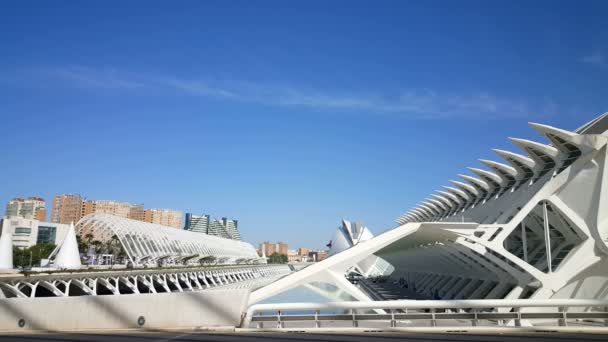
x,y
501,311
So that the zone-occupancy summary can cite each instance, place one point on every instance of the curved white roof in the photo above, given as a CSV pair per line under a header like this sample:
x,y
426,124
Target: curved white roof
x,y
142,240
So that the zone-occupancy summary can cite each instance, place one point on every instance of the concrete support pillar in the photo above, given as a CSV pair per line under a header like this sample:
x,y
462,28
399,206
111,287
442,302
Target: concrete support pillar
x,y
547,237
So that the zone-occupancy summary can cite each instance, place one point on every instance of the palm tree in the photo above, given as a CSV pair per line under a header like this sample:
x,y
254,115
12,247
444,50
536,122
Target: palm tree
x,y
97,245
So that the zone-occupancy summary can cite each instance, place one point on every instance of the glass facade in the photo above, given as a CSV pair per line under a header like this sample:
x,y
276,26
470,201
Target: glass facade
x,y
46,234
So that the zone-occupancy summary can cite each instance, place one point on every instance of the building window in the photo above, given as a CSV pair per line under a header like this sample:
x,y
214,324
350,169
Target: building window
x,y
46,234
23,230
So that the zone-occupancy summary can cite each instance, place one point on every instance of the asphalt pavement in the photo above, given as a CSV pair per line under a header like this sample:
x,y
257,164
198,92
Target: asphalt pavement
x,y
300,337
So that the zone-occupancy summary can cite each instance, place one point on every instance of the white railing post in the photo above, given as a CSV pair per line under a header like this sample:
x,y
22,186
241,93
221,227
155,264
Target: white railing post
x,y
279,322
562,321
393,322
433,321
317,322
475,321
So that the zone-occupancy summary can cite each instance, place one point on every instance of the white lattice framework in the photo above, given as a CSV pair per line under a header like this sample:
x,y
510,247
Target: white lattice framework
x,y
147,242
139,281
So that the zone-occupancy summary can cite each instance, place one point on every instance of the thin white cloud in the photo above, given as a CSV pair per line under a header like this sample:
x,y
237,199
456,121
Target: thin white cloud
x,y
596,58
96,78
410,103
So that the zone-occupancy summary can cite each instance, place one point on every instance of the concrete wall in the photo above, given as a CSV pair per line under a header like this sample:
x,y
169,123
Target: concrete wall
x,y
211,308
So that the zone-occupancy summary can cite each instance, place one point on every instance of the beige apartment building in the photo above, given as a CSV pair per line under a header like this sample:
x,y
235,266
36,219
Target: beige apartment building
x,y
33,208
121,209
272,248
165,217
69,208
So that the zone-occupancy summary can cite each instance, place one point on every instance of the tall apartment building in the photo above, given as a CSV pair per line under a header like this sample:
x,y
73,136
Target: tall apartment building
x,y
67,208
165,217
281,248
33,208
197,223
224,228
272,248
121,209
231,227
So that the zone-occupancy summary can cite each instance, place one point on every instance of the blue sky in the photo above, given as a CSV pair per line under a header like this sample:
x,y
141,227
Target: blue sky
x,y
285,115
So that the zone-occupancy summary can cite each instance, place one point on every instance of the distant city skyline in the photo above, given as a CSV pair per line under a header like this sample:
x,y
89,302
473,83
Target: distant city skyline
x,y
287,116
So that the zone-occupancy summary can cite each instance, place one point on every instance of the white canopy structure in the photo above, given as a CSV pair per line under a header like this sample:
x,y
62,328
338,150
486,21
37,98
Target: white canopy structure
x,y
536,228
352,233
6,251
68,256
148,242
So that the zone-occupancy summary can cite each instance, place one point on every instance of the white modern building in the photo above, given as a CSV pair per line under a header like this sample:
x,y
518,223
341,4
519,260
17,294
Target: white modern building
x,y
29,232
350,234
225,228
534,225
148,243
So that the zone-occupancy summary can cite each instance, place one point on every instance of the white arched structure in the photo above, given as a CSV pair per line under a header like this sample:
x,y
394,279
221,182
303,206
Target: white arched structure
x,y
148,242
352,233
535,229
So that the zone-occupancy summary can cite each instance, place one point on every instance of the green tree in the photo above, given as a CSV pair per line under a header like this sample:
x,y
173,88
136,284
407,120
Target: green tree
x,y
23,256
278,258
82,246
207,260
98,245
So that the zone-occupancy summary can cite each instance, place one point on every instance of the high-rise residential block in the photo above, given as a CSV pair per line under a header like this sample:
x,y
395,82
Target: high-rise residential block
x,y
197,223
165,217
266,248
281,248
231,227
72,207
66,208
225,228
272,248
121,209
29,208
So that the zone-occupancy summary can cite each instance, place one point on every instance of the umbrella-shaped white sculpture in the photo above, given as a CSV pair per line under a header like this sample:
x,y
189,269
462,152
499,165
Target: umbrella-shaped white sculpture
x,y
6,251
68,256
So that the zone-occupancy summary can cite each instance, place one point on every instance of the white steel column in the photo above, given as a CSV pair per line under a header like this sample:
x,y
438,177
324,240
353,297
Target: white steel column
x,y
524,239
547,237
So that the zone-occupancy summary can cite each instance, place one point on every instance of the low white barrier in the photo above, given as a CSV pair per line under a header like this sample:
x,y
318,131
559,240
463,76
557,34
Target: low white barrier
x,y
199,309
498,311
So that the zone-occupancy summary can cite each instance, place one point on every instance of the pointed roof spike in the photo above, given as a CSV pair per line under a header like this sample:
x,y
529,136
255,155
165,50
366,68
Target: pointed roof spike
x,y
421,213
473,180
527,145
438,203
496,165
508,156
450,196
546,129
425,208
486,174
438,210
457,191
444,200
466,186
